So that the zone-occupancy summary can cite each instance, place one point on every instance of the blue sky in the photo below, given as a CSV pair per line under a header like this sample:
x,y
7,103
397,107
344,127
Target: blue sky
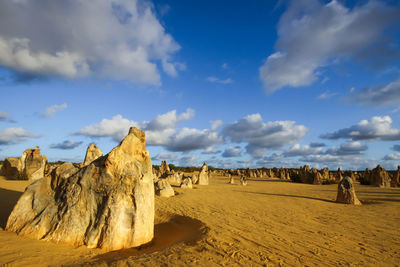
x,y
260,84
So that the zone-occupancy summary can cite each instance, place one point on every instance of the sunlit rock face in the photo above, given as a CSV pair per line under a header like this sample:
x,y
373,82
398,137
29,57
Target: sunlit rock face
x,y
30,166
203,175
108,204
346,193
92,153
33,164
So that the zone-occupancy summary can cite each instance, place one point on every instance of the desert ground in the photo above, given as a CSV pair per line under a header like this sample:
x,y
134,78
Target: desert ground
x,y
266,223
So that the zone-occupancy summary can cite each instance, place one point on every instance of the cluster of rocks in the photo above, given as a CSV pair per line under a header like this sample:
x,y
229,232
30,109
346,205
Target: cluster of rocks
x,y
108,203
30,166
380,177
164,178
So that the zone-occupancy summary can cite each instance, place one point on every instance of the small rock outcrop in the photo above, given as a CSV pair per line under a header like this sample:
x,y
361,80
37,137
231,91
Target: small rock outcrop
x,y
186,183
33,164
92,153
231,180
195,178
396,178
30,166
316,177
377,177
346,193
11,168
164,169
203,175
108,204
243,180
163,188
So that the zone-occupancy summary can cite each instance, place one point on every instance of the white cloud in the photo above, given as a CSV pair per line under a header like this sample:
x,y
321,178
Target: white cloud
x,y
349,148
4,116
166,156
117,128
298,150
383,95
15,135
261,136
224,66
215,124
311,33
189,161
66,145
392,156
50,111
111,39
231,152
376,128
326,95
212,79
192,139
161,131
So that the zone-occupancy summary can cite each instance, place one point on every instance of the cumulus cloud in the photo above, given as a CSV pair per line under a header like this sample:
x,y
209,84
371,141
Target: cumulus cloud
x,y
217,80
392,156
298,150
126,42
231,152
261,135
4,116
66,145
215,124
376,128
166,156
189,161
210,150
161,131
10,136
382,95
349,148
192,139
117,127
50,111
396,148
311,34
316,144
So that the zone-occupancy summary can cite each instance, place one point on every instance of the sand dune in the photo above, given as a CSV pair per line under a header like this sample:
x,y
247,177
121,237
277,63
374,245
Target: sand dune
x,y
265,223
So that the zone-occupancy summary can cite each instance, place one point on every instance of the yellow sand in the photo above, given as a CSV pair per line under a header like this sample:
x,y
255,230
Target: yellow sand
x,y
265,223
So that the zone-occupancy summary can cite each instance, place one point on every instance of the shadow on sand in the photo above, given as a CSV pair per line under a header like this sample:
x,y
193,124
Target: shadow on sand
x,y
9,199
178,229
293,196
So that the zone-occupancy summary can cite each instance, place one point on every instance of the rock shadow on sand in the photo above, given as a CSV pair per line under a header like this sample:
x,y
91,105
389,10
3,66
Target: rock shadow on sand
x,y
9,199
292,196
176,230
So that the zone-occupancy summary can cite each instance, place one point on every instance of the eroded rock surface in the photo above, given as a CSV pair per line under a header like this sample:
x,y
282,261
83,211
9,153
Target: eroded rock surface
x,y
92,153
11,168
203,175
108,204
33,164
186,183
163,188
346,193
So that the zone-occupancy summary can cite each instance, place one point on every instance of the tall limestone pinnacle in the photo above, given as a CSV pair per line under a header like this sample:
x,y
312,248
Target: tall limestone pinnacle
x,y
108,204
